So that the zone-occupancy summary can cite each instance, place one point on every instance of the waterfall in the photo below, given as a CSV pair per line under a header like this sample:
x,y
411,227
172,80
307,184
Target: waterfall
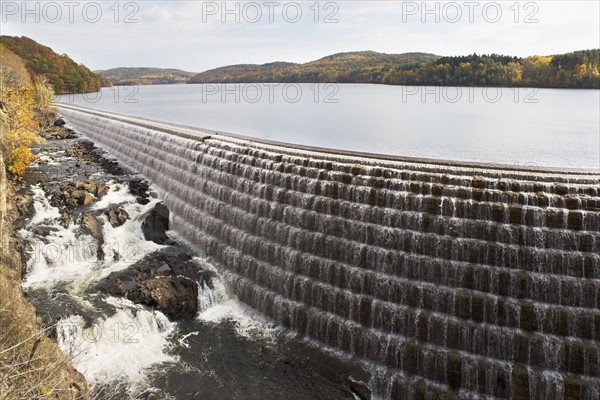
x,y
449,279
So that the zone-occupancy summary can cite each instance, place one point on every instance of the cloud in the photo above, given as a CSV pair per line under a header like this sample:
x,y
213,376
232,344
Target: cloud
x,y
196,35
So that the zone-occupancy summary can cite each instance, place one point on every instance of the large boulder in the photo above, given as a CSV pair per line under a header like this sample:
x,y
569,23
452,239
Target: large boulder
x,y
175,296
156,224
167,280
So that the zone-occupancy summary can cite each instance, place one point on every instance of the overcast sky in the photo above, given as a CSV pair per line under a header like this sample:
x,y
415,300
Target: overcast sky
x,y
196,35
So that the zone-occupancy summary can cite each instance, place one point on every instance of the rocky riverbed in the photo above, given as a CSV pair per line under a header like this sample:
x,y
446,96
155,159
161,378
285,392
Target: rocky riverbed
x,y
133,307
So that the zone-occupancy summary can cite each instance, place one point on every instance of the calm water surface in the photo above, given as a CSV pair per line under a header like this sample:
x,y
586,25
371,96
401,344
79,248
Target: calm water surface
x,y
543,127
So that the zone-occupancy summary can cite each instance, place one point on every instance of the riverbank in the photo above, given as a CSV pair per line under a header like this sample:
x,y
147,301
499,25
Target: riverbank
x,y
32,366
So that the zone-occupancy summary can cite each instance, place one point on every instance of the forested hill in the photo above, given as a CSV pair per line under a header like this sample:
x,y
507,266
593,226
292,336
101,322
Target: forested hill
x,y
145,76
64,74
363,66
579,69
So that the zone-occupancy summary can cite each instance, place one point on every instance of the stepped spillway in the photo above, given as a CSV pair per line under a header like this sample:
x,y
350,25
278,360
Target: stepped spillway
x,y
453,280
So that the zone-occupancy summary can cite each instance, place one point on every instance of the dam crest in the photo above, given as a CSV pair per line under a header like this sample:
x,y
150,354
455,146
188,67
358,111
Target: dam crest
x,y
457,280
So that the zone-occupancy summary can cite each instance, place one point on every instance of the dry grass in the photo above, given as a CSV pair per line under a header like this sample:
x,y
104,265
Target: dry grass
x,y
31,365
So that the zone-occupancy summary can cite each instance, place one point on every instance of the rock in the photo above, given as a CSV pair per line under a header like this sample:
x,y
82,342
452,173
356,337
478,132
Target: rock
x,y
23,204
59,122
55,198
65,219
101,190
166,262
91,226
73,197
87,185
117,216
44,230
156,224
175,296
86,199
56,133
82,193
70,199
167,280
98,189
138,187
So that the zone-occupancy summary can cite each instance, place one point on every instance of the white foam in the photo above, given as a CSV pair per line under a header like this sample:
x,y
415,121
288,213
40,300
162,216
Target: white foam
x,y
117,194
120,347
44,212
125,245
209,297
62,256
248,323
46,160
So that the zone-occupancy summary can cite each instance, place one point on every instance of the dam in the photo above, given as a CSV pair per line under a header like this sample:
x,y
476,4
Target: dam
x,y
452,279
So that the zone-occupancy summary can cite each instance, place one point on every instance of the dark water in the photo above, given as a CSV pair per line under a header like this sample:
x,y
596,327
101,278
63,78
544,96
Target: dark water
x,y
519,126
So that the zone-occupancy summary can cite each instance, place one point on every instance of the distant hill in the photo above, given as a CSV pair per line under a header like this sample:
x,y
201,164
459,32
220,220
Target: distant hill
x,y
145,76
579,69
64,74
361,66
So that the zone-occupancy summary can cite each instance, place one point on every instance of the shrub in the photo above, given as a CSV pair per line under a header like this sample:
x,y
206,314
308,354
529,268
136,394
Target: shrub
x,y
20,158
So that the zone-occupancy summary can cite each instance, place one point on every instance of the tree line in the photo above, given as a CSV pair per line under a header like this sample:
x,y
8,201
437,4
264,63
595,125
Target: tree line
x,y
579,69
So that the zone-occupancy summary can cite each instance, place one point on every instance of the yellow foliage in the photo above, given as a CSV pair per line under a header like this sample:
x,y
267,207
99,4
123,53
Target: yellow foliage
x,y
18,126
17,121
539,61
20,158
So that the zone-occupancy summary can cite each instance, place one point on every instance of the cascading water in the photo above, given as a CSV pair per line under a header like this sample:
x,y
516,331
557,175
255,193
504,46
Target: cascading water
x,y
65,264
447,280
92,274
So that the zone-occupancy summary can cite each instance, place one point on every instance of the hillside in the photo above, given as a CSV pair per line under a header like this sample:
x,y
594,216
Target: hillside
x,y
578,69
64,74
363,66
145,76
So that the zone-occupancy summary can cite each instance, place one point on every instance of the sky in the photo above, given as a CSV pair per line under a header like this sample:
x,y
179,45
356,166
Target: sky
x,y
200,35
